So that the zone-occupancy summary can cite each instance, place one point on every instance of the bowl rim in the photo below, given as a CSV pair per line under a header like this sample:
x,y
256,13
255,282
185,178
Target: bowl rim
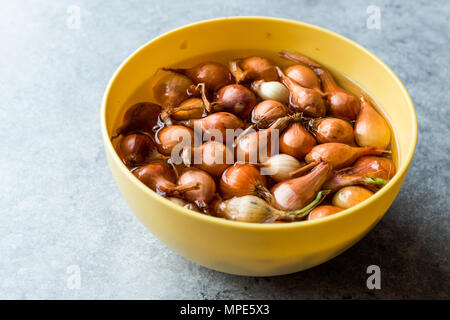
x,y
262,226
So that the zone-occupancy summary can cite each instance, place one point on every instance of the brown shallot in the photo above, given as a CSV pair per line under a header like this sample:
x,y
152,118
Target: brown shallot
x,y
159,177
213,74
340,155
331,130
241,180
296,193
206,186
302,99
371,130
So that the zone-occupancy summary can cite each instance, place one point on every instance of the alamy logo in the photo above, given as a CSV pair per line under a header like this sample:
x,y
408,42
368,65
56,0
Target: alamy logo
x,y
74,19
374,19
374,280
74,278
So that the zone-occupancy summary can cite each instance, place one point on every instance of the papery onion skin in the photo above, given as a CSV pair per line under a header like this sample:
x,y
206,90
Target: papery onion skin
x,y
323,211
280,166
241,180
253,209
213,74
272,90
350,196
296,141
267,112
258,68
247,208
371,129
140,117
134,149
169,137
236,99
296,193
206,186
332,130
303,75
340,155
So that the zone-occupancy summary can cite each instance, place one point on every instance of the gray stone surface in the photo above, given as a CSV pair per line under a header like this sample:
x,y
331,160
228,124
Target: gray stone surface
x,y
61,207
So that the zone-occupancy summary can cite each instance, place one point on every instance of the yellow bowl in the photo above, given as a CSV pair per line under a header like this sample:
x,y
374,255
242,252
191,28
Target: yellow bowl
x,y
245,248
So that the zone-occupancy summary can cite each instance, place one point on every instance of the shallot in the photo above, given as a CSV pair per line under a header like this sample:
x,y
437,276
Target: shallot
x,y
296,193
350,196
253,209
340,155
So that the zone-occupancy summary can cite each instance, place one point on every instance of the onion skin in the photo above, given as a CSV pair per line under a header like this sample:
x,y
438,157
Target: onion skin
x,y
213,74
350,196
296,141
214,158
168,138
246,209
332,130
134,149
371,129
141,117
303,75
272,90
258,68
267,112
216,121
340,155
172,89
323,211
253,209
242,180
236,99
280,166
303,99
204,194
192,108
341,103
296,193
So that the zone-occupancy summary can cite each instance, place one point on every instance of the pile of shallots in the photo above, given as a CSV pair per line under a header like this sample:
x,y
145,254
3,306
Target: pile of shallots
x,y
331,146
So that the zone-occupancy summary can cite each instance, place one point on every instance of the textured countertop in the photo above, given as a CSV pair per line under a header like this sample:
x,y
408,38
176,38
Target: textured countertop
x,y
61,211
